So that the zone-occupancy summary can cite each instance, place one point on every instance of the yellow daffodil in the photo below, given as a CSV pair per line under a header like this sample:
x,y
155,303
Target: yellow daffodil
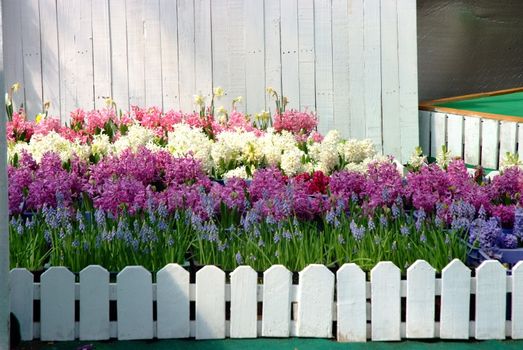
x,y
218,91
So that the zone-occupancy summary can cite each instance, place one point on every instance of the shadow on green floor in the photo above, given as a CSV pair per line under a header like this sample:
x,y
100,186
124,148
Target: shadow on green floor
x,y
265,344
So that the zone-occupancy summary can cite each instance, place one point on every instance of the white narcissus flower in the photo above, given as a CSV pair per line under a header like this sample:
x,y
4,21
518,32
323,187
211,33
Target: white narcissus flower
x,y
136,136
240,172
291,162
52,142
100,145
185,140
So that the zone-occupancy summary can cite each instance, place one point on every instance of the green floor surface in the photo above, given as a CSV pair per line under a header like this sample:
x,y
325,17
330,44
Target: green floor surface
x,y
283,344
507,104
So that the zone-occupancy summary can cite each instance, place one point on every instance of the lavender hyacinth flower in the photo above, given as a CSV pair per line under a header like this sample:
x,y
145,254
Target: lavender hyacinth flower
x,y
518,222
357,232
239,258
404,229
509,241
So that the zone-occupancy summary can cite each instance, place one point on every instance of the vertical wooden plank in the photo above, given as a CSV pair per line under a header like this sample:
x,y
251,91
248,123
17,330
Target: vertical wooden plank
x,y
186,54
12,43
408,76
390,77
244,305
323,51
373,66
520,140
315,298
272,49
135,51
489,143
306,55
203,53
351,304
455,301
472,140
210,303
169,45
101,52
438,132
220,48
424,131
66,53
341,67
21,298
84,57
455,135
135,303
236,50
94,303
57,305
507,138
517,301
120,78
152,54
491,299
254,56
385,301
421,288
172,300
277,281
357,70
32,59
50,56
289,52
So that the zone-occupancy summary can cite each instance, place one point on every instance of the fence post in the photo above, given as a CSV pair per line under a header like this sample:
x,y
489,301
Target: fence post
x,y
173,302
491,298
57,304
351,304
385,301
244,305
210,303
94,303
276,319
455,301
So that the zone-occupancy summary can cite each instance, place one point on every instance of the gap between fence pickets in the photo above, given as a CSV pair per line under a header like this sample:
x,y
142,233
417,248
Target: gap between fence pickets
x,y
294,290
293,330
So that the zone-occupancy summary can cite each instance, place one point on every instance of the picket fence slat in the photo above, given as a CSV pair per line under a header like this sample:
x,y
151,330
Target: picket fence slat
x,y
351,304
94,303
135,307
357,111
254,57
101,39
472,140
21,296
202,47
277,281
386,302
119,75
520,140
490,300
438,131
306,54
186,55
210,303
57,304
424,131
517,302
173,302
169,46
152,53
244,307
315,297
507,138
455,135
489,143
420,300
455,301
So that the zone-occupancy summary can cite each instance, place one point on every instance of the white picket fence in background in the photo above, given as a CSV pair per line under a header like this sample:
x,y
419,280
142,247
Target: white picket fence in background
x,y
479,141
361,309
352,61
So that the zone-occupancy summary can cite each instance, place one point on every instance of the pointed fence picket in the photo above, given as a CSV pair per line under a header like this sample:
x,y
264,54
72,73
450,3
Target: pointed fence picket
x,y
94,303
351,304
244,306
210,303
421,287
135,303
315,295
517,301
357,302
386,302
57,304
276,321
173,302
455,301
21,296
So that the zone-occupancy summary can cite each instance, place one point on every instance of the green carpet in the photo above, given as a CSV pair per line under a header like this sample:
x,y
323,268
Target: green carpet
x,y
507,104
283,344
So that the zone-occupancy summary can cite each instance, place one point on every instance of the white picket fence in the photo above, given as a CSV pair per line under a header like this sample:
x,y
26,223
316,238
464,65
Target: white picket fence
x,y
353,61
359,308
479,141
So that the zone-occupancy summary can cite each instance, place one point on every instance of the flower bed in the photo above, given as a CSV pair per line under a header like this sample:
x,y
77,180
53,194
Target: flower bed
x,y
137,188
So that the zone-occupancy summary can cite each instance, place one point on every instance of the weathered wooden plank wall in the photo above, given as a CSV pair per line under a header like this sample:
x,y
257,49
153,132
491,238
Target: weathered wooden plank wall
x,y
352,61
